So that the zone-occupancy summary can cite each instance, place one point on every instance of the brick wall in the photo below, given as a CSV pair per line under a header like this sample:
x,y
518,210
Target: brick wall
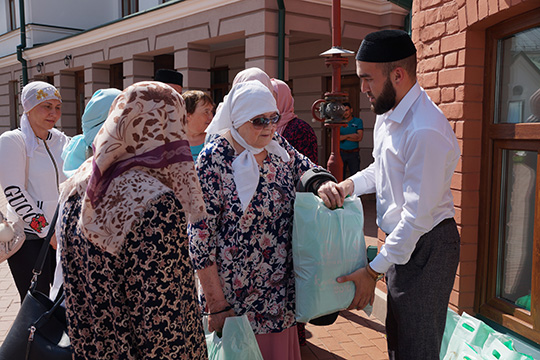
x,y
450,38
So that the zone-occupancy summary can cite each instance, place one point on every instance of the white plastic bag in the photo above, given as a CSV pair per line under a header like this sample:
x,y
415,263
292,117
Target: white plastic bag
x,y
326,244
237,342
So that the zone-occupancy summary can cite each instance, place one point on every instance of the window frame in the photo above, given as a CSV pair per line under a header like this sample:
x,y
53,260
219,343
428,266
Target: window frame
x,y
496,138
129,7
12,15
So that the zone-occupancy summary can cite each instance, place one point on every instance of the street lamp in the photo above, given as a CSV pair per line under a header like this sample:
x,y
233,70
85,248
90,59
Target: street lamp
x,y
330,109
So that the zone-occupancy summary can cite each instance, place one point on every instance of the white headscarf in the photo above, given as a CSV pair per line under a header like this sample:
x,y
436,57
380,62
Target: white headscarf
x,y
32,95
245,101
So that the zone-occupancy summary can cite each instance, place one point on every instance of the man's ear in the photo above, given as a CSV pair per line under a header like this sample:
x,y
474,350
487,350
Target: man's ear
x,y
397,75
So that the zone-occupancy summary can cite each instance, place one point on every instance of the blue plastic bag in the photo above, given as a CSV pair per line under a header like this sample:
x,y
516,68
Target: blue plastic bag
x,y
326,244
237,342
452,319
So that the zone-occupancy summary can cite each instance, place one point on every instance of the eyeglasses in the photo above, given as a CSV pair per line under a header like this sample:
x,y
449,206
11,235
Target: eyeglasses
x,y
262,122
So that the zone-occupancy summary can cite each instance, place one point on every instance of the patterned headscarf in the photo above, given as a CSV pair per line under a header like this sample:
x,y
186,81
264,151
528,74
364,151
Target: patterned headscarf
x,y
32,95
142,143
285,104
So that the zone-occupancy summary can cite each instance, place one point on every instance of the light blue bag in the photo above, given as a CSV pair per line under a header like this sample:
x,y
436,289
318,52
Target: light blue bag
x,y
469,330
452,319
326,244
237,342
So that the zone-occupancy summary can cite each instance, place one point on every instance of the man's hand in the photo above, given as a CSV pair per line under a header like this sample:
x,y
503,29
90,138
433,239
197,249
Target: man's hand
x,y
365,288
334,194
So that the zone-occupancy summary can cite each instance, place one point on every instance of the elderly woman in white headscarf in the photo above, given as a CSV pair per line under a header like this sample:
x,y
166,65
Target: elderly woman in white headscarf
x,y
242,251
31,163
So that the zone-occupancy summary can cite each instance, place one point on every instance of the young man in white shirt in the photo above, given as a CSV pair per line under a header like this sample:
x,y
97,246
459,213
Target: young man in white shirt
x,y
416,153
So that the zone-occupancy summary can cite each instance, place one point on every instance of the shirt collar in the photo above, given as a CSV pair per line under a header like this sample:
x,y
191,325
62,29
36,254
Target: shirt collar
x,y
405,104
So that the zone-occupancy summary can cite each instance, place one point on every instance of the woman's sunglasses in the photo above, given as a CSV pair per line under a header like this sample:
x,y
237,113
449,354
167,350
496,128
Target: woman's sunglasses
x,y
262,122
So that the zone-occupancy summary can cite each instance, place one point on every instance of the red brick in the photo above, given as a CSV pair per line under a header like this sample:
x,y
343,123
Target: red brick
x,y
462,18
352,348
461,3
452,111
467,268
504,4
428,80
469,234
452,26
468,252
431,49
472,12
455,182
476,40
432,64
432,32
482,9
450,59
448,94
453,43
470,92
432,16
418,20
467,164
466,300
473,110
452,76
466,216
471,181
493,6
465,283
472,129
426,4
449,10
435,95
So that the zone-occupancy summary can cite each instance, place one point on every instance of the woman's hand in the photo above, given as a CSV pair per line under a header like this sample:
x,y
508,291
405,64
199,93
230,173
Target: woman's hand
x,y
334,194
216,317
54,243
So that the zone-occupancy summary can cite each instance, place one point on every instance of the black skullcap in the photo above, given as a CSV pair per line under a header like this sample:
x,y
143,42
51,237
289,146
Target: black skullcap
x,y
169,76
386,46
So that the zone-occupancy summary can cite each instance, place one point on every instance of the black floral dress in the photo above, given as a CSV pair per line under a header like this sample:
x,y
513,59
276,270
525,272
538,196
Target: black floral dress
x,y
141,303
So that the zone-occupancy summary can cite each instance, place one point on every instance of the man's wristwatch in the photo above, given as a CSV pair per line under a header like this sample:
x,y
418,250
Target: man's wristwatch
x,y
375,275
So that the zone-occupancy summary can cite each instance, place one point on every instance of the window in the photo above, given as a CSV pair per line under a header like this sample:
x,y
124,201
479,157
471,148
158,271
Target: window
x,y
219,83
116,76
14,113
79,96
510,240
12,15
129,7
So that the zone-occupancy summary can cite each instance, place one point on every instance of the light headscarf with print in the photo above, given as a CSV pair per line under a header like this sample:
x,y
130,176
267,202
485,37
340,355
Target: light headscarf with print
x,y
32,95
94,116
245,101
140,152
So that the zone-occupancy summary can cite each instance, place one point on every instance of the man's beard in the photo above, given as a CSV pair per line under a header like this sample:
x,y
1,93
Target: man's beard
x,y
386,100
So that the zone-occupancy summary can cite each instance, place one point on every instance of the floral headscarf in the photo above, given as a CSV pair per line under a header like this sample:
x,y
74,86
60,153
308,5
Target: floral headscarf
x,y
32,95
285,104
140,151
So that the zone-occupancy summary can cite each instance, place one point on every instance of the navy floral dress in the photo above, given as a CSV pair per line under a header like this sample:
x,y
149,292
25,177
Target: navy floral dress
x,y
302,137
252,249
141,303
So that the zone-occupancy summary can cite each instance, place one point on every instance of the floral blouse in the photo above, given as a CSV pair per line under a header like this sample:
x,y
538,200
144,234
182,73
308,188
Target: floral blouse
x,y
302,137
252,249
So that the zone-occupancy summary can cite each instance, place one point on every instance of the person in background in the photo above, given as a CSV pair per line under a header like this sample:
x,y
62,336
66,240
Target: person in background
x,y
297,132
78,150
31,163
242,251
95,113
349,137
416,153
200,111
170,77
129,283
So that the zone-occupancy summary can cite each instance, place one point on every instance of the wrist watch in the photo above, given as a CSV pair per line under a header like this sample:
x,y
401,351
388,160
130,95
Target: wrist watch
x,y
375,275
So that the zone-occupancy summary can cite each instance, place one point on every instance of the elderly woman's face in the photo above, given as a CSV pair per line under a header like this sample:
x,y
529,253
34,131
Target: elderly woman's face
x,y
258,136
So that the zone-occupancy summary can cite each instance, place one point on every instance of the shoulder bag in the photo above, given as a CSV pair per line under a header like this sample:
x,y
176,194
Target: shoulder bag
x,y
39,331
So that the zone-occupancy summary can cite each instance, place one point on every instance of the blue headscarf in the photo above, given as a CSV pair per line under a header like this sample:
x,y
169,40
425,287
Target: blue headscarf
x,y
95,113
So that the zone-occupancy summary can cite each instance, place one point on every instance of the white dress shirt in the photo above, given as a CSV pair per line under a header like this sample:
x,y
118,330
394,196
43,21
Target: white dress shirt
x,y
416,153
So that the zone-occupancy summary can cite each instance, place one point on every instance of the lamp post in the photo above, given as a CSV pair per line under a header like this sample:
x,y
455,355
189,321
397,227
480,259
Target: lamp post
x,y
331,108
